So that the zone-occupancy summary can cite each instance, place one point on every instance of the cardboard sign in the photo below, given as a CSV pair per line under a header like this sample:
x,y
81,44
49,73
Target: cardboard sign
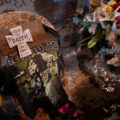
x,y
20,39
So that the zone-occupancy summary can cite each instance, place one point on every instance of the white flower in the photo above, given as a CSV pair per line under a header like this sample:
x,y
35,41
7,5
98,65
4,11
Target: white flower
x,y
116,12
114,28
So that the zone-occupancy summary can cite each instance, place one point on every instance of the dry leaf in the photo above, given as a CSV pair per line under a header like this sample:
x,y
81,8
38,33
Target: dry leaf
x,y
113,61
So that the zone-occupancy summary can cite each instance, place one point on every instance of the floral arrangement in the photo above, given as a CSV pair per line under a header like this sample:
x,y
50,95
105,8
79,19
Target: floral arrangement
x,y
104,22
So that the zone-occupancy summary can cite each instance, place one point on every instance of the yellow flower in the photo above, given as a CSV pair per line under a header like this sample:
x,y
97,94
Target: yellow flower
x,y
104,6
109,9
112,2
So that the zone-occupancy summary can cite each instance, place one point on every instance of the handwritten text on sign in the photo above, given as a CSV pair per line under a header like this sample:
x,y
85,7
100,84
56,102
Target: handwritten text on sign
x,y
20,39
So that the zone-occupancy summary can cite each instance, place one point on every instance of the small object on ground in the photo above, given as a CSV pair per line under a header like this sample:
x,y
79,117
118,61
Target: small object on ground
x,y
76,20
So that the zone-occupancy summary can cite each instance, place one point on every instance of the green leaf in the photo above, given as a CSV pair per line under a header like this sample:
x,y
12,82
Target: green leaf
x,y
57,118
91,43
86,24
2,88
97,37
106,1
105,110
113,107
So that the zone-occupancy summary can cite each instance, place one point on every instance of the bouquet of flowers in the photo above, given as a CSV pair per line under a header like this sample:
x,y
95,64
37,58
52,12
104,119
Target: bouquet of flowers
x,y
104,22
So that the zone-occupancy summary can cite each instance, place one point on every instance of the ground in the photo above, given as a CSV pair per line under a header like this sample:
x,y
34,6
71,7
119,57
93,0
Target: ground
x,y
79,86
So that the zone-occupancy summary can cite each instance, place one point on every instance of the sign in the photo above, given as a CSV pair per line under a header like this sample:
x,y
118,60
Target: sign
x,y
20,39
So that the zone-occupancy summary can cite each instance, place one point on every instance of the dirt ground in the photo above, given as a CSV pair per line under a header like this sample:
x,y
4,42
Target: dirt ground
x,y
77,84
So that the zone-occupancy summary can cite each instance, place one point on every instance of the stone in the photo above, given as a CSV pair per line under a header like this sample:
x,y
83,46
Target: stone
x,y
36,76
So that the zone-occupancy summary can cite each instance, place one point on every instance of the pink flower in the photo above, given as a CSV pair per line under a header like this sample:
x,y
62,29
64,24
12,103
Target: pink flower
x,y
76,113
65,108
